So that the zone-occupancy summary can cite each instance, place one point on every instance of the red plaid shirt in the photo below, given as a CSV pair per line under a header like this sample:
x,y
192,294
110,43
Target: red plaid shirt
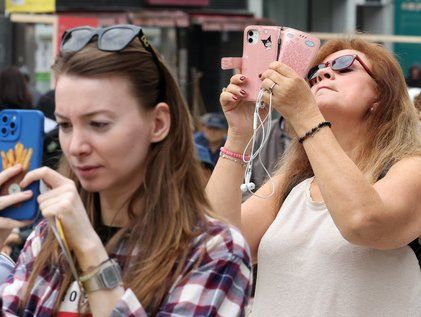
x,y
219,286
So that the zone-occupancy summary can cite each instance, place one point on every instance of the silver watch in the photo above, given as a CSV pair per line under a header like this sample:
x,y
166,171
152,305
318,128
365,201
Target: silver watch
x,y
107,276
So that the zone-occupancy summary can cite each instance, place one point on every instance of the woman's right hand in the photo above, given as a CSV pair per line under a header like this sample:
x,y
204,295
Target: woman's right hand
x,y
238,111
7,224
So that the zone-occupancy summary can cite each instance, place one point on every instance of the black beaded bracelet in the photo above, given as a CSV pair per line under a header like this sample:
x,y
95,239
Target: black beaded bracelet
x,y
315,130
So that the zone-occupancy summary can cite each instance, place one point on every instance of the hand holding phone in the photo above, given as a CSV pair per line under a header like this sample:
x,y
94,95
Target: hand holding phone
x,y
21,140
7,224
263,45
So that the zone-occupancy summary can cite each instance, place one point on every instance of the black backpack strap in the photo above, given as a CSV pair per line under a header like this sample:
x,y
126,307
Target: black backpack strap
x,y
416,244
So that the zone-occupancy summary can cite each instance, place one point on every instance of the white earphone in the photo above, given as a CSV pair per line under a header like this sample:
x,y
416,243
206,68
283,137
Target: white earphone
x,y
258,123
247,185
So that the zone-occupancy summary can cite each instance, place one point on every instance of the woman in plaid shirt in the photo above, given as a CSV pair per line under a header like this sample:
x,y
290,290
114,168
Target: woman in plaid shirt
x,y
129,195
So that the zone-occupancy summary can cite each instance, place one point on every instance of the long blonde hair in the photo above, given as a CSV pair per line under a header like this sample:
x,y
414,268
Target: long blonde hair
x,y
392,128
174,206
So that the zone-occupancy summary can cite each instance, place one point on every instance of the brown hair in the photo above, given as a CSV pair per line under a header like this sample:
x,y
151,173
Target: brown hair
x,y
392,128
174,203
14,92
417,102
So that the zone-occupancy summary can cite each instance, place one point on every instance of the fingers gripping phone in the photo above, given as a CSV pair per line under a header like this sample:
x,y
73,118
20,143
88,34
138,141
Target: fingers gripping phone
x,y
21,142
264,44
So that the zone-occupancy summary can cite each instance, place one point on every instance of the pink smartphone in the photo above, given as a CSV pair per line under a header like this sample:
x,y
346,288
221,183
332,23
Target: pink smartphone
x,y
298,50
260,48
264,44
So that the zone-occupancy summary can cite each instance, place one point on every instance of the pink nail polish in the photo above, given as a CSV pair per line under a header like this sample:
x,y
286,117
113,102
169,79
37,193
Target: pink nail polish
x,y
242,78
235,97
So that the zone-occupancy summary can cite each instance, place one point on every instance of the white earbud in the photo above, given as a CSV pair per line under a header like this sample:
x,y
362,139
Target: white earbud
x,y
247,187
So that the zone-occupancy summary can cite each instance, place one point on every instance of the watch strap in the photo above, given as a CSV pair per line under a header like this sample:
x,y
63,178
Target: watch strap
x,y
106,276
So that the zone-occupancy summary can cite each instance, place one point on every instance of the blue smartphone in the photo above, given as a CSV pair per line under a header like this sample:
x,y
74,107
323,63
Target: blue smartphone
x,y
21,142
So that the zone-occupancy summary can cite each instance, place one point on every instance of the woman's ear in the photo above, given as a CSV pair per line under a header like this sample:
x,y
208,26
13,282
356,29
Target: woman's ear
x,y
162,122
374,106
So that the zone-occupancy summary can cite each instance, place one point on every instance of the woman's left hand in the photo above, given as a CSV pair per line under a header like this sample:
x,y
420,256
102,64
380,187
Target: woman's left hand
x,y
292,96
63,202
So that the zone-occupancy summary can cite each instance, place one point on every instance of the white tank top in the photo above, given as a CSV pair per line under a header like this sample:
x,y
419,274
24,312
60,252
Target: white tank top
x,y
306,268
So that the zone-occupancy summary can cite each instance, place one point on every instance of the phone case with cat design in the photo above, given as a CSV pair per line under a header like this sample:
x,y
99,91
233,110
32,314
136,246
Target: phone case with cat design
x,y
260,48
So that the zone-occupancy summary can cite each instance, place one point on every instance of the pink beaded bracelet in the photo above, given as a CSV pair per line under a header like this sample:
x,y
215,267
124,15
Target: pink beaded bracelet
x,y
234,155
232,159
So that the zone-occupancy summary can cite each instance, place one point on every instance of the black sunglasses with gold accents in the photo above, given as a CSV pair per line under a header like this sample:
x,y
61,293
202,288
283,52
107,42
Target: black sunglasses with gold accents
x,y
110,39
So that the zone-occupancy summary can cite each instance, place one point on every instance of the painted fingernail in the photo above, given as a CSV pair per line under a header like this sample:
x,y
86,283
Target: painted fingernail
x,y
242,78
235,97
242,91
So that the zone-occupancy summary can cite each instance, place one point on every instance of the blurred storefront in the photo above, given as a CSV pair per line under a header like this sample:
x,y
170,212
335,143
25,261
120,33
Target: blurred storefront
x,y
408,22
192,36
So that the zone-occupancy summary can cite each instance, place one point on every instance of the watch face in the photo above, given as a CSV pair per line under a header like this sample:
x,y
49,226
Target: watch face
x,y
111,277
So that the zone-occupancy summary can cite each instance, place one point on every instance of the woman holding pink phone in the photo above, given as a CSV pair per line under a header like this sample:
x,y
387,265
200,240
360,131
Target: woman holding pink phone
x,y
340,235
129,196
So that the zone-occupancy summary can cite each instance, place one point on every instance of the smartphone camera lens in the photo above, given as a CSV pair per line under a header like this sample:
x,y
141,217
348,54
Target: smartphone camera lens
x,y
12,125
250,40
251,33
5,119
3,131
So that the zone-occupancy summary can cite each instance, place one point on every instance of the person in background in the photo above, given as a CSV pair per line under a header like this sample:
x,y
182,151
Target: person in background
x,y
52,151
51,156
417,104
36,95
14,92
46,104
277,144
205,161
199,122
213,135
340,235
129,196
414,77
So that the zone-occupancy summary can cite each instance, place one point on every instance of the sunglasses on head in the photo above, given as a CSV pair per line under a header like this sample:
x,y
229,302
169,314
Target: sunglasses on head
x,y
338,64
110,39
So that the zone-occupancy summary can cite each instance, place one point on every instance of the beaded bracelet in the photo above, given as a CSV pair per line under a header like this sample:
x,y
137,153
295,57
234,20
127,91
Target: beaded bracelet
x,y
315,130
232,159
235,155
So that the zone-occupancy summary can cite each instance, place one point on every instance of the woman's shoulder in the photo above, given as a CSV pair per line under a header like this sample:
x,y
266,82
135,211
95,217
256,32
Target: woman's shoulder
x,y
410,164
222,240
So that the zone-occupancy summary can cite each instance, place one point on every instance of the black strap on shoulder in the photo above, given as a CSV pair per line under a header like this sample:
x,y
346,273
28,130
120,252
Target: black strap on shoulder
x,y
416,247
416,244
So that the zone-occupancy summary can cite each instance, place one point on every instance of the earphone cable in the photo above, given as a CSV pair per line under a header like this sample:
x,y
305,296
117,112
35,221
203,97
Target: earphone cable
x,y
265,125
